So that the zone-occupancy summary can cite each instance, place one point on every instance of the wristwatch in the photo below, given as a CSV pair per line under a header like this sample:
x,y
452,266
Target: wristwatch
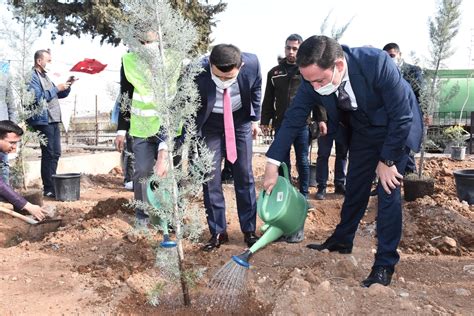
x,y
388,163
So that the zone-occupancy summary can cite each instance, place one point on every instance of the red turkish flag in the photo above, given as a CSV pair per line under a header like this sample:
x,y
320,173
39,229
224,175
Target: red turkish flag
x,y
89,66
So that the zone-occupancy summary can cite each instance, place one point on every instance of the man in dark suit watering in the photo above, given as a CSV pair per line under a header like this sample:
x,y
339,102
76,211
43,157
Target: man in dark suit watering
x,y
230,90
362,90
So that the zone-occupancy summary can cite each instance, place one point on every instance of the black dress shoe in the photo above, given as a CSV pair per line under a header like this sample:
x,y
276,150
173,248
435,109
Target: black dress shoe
x,y
321,194
379,274
332,246
340,189
250,238
216,241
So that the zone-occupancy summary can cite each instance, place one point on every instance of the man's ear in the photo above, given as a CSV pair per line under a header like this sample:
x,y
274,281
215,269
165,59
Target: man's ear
x,y
339,64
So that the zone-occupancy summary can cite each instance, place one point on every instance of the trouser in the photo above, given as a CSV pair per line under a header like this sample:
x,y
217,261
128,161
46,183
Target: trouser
x,y
244,184
300,145
128,159
145,151
365,155
50,153
322,167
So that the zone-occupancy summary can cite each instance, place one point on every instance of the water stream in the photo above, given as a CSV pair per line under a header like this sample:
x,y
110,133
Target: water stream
x,y
226,286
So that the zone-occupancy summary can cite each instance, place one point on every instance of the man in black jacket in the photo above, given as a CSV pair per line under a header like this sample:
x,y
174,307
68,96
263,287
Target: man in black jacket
x,y
414,75
282,83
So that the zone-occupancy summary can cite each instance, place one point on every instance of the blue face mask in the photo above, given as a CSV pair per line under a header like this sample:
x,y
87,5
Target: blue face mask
x,y
330,87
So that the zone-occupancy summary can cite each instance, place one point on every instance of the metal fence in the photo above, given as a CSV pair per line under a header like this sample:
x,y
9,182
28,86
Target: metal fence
x,y
451,118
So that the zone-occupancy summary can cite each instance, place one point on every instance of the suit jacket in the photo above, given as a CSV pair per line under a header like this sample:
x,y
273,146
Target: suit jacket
x,y
385,102
250,85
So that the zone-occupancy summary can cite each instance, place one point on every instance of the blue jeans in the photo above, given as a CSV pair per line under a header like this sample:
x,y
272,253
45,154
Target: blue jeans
x,y
4,167
50,153
322,168
301,145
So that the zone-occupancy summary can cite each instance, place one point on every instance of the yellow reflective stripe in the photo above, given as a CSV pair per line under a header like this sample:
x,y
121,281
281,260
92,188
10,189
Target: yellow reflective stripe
x,y
144,113
142,98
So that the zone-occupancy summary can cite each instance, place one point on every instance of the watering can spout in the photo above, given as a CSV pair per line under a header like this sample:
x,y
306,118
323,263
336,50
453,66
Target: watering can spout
x,y
243,258
167,243
272,233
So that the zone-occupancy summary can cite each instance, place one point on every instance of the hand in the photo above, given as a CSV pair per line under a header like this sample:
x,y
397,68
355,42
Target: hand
x,y
388,176
265,130
323,129
255,130
64,86
161,165
270,177
36,211
119,142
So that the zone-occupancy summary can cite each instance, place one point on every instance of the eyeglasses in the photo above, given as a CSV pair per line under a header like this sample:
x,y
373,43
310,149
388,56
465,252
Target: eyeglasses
x,y
291,48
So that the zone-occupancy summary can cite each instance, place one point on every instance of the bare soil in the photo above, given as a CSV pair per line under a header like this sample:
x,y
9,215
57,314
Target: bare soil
x,y
91,266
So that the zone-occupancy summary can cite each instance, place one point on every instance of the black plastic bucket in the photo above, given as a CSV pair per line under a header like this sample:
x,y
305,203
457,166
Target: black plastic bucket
x,y
465,185
67,186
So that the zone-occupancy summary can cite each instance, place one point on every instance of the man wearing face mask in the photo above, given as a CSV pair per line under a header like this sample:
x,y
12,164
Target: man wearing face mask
x,y
414,76
230,89
47,116
361,89
138,116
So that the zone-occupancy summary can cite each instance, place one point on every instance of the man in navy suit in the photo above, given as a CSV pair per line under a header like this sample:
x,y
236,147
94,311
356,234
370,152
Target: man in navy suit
x,y
230,74
361,89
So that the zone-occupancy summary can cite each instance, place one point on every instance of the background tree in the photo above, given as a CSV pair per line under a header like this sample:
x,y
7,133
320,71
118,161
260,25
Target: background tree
x,y
96,18
443,28
21,38
336,32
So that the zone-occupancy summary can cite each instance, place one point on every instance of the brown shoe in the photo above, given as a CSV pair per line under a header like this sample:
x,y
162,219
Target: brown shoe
x,y
216,241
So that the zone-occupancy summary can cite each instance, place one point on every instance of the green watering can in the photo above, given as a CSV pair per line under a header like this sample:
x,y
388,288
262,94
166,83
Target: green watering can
x,y
283,212
154,200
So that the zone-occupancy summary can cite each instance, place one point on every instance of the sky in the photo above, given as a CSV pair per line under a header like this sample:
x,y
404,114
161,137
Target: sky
x,y
261,27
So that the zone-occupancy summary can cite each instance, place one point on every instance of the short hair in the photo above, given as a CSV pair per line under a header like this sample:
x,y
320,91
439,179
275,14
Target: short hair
x,y
226,57
39,54
390,46
7,126
294,37
319,50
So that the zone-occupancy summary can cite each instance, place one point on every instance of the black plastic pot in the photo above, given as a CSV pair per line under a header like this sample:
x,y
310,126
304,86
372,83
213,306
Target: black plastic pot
x,y
414,188
464,179
67,186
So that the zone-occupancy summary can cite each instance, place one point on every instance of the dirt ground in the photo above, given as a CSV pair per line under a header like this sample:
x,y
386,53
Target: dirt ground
x,y
89,266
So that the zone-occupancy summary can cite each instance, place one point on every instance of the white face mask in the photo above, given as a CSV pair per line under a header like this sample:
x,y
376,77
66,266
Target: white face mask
x,y
330,87
47,67
153,47
397,61
222,84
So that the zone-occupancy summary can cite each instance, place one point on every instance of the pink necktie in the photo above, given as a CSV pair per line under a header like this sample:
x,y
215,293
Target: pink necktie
x,y
229,132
